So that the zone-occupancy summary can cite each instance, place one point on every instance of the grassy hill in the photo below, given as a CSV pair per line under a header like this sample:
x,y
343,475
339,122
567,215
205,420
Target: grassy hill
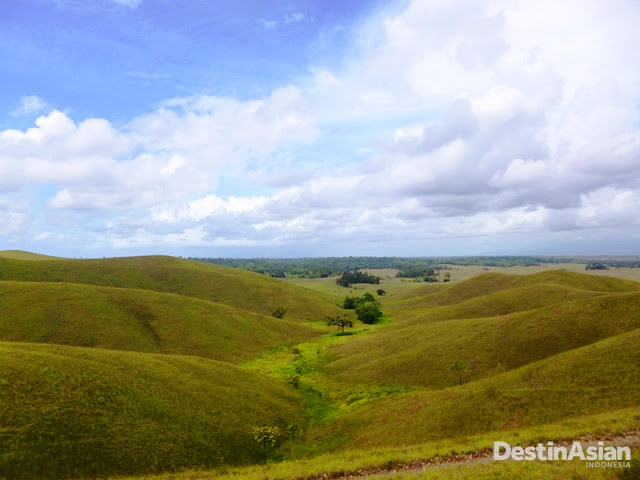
x,y
489,333
424,354
155,392
249,291
494,282
22,255
138,320
595,378
70,411
501,302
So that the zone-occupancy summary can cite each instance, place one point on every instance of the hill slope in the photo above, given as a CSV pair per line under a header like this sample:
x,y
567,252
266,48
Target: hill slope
x,y
494,282
544,320
138,320
588,380
237,288
70,411
22,255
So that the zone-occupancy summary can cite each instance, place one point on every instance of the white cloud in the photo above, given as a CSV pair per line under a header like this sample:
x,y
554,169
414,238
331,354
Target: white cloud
x,y
453,118
29,105
129,3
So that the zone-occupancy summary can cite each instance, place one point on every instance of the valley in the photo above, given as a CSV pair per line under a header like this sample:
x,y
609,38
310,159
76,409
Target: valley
x,y
138,366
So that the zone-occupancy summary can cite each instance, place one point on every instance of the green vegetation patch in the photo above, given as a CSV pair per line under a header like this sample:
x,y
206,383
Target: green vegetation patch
x,y
71,412
424,353
350,461
22,255
138,320
233,287
588,380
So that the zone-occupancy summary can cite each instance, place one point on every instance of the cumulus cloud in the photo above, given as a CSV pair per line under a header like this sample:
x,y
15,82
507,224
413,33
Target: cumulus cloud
x,y
454,119
28,106
129,3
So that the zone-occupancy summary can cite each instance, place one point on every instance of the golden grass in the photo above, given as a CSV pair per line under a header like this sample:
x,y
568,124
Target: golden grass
x,y
72,412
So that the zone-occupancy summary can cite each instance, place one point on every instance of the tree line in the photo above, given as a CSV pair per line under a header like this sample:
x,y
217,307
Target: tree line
x,y
332,266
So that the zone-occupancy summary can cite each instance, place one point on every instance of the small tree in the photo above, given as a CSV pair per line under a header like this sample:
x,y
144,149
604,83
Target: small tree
x,y
292,429
340,320
369,313
349,303
459,367
447,277
266,436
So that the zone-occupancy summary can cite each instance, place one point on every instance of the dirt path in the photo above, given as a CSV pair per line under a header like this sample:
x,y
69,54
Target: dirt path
x,y
630,438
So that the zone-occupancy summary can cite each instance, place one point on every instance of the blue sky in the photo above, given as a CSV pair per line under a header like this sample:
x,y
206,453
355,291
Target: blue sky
x,y
305,128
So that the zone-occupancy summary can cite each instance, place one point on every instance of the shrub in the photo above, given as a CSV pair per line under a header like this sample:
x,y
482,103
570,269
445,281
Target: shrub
x,y
369,313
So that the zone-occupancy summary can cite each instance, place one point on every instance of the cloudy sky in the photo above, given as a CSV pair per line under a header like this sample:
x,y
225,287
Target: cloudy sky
x,y
314,128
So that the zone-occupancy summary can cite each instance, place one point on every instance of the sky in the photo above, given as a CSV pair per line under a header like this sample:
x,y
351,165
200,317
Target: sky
x,y
302,128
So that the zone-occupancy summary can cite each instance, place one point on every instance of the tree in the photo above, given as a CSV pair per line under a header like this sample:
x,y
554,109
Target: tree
x,y
349,303
292,428
356,276
369,313
459,367
447,277
367,297
266,436
340,320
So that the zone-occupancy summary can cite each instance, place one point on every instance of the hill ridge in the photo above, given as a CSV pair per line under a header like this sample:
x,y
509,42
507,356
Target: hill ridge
x,y
139,320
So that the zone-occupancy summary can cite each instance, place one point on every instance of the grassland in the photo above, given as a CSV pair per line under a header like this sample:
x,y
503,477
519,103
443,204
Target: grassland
x,y
22,255
186,358
352,462
489,323
236,288
139,320
582,381
71,411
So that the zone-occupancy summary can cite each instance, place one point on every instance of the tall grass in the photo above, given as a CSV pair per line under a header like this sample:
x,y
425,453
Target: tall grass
x,y
249,291
139,320
71,412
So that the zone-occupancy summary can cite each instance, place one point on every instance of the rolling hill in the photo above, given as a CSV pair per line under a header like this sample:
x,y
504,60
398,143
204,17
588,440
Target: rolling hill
x,y
595,378
139,320
72,412
241,289
494,282
186,359
489,332
23,255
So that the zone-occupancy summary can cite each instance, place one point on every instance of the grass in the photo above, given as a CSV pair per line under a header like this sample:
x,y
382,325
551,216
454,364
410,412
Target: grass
x,y
233,287
71,412
139,320
347,461
549,356
22,255
583,381
423,353
494,282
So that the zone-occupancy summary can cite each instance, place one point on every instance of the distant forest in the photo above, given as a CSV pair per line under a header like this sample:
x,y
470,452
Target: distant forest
x,y
333,266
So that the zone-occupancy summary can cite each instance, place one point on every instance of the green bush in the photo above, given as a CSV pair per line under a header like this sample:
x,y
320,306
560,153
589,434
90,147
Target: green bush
x,y
369,313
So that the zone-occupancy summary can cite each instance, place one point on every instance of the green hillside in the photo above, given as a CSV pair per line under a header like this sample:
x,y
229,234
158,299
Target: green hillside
x,y
588,380
233,287
22,255
138,320
158,392
70,411
414,353
494,282
501,302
